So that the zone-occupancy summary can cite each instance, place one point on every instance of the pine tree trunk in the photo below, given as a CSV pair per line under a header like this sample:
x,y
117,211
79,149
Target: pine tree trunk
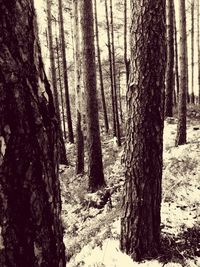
x,y
30,203
114,76
79,110
126,62
100,70
192,52
170,60
176,56
95,165
63,157
111,71
140,223
198,48
120,98
65,74
60,85
182,108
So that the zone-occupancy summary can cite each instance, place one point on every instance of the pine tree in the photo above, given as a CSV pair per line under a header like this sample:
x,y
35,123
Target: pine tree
x,y
95,165
140,223
30,203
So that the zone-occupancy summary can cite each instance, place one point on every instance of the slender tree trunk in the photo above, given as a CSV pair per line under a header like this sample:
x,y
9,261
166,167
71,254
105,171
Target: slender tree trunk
x,y
60,85
140,223
120,98
65,74
192,52
79,132
30,209
111,71
181,129
100,70
63,157
176,56
198,48
95,165
126,62
114,75
170,60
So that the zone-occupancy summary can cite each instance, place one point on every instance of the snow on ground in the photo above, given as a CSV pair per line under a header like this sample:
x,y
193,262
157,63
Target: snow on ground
x,y
92,234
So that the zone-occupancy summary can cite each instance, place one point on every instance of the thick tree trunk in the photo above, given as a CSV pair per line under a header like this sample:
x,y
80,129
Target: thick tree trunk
x,y
182,108
111,71
100,70
126,62
140,223
114,75
192,52
95,165
65,74
63,157
60,85
30,204
170,60
79,109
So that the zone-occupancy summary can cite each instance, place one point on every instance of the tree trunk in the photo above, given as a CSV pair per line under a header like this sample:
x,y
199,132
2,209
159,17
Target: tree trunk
x,y
182,109
63,157
30,203
140,223
198,49
170,60
79,110
95,165
65,75
192,52
61,91
111,71
176,55
100,70
120,98
114,75
126,62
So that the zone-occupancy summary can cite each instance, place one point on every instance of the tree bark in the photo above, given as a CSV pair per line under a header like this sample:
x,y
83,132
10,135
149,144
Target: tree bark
x,y
65,74
95,165
126,61
182,108
60,85
100,70
30,203
198,49
63,157
140,223
114,76
79,110
176,56
111,70
120,98
192,52
170,60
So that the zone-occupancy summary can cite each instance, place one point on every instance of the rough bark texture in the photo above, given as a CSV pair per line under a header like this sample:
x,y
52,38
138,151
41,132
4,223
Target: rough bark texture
x,y
100,70
30,203
79,131
95,165
176,56
114,75
181,129
65,74
111,71
192,52
170,59
140,223
62,150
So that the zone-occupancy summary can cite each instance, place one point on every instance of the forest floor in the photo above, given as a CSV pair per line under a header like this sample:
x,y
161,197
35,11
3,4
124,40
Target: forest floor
x,y
92,228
